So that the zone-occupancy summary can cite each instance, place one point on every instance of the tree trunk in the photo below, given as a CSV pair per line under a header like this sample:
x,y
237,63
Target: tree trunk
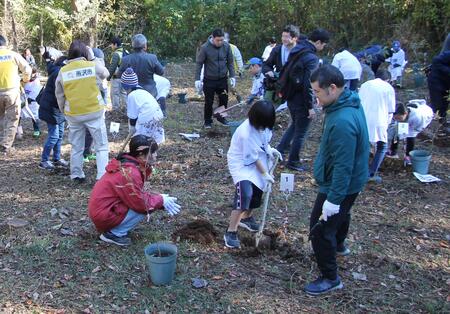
x,y
5,16
13,28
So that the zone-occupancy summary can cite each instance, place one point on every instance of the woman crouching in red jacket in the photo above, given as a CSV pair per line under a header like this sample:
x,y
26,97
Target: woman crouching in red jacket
x,y
118,201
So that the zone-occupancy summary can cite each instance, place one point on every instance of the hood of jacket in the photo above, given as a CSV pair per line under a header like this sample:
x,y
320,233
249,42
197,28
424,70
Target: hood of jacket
x,y
303,46
126,161
346,99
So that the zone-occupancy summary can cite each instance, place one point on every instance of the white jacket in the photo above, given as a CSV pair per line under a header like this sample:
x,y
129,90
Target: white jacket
x,y
378,101
348,64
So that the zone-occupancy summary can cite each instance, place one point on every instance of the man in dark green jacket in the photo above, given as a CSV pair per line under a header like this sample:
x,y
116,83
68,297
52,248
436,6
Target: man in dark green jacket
x,y
340,170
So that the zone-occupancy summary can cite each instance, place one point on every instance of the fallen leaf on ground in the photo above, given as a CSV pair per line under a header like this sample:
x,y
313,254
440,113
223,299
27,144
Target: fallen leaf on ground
x,y
16,222
359,276
96,269
199,283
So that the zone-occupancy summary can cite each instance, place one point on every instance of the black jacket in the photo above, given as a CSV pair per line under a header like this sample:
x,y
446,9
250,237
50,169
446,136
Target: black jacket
x,y
48,105
218,62
439,77
296,75
274,61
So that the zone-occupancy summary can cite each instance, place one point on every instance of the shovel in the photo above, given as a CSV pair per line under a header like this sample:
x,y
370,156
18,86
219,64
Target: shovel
x,y
259,234
221,112
125,143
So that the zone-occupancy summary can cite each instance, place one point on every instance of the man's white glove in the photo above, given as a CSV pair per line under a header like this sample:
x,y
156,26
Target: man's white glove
x,y
233,82
131,129
329,209
199,86
268,177
170,205
273,153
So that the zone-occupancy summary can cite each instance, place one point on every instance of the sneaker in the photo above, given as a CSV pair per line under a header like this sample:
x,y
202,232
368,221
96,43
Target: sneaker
x,y
62,163
109,237
407,161
390,154
207,125
296,166
250,224
342,250
47,165
222,120
375,179
323,285
231,240
36,134
79,180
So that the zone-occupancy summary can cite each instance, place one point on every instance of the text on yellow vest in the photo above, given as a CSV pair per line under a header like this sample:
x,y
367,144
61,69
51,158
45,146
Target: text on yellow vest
x,y
9,72
80,88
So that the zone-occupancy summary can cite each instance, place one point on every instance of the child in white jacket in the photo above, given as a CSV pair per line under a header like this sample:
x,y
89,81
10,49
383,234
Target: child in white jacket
x,y
249,159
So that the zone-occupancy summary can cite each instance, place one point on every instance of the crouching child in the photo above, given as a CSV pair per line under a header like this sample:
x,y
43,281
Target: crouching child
x,y
249,159
118,201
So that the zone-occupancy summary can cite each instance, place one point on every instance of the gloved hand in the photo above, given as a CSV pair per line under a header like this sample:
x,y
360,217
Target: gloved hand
x,y
170,205
268,177
233,82
131,129
198,86
273,152
329,209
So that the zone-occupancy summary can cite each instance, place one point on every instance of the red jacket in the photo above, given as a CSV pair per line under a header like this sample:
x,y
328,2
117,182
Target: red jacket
x,y
120,189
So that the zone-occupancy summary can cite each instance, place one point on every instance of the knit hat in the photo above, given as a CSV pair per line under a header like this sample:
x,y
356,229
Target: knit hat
x,y
129,79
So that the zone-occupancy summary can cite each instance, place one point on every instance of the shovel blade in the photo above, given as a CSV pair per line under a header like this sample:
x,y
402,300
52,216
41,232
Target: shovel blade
x,y
219,109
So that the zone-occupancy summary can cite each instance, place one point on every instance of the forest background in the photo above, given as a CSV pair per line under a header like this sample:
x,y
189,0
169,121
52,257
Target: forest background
x,y
175,28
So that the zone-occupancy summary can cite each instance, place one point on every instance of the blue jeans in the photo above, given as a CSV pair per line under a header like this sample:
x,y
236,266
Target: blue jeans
x,y
53,142
377,158
295,133
130,221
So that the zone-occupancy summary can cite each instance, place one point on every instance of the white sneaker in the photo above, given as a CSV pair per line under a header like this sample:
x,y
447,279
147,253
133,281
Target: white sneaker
x,y
47,165
62,163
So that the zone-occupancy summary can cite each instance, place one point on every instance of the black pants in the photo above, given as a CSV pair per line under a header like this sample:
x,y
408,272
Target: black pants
x,y
330,234
410,141
210,88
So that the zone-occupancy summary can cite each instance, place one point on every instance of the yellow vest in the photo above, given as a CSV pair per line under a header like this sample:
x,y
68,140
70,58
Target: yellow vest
x,y
235,64
80,88
9,71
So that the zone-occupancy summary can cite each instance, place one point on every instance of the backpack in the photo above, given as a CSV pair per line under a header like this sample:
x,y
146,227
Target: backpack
x,y
291,77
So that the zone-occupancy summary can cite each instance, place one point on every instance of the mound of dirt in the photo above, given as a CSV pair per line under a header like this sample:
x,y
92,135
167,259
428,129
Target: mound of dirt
x,y
200,230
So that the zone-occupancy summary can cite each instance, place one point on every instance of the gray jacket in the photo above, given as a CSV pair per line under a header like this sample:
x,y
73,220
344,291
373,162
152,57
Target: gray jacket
x,y
218,61
144,65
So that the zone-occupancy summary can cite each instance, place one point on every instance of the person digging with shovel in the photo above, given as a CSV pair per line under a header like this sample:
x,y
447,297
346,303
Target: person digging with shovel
x,y
118,201
340,170
249,158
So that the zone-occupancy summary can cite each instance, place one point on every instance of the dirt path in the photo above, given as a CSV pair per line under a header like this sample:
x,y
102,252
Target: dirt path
x,y
56,264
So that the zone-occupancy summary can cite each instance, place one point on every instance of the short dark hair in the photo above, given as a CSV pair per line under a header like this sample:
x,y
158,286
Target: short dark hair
x,y
293,30
400,109
116,41
385,75
327,75
77,49
319,34
2,41
262,115
142,145
218,32
272,40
